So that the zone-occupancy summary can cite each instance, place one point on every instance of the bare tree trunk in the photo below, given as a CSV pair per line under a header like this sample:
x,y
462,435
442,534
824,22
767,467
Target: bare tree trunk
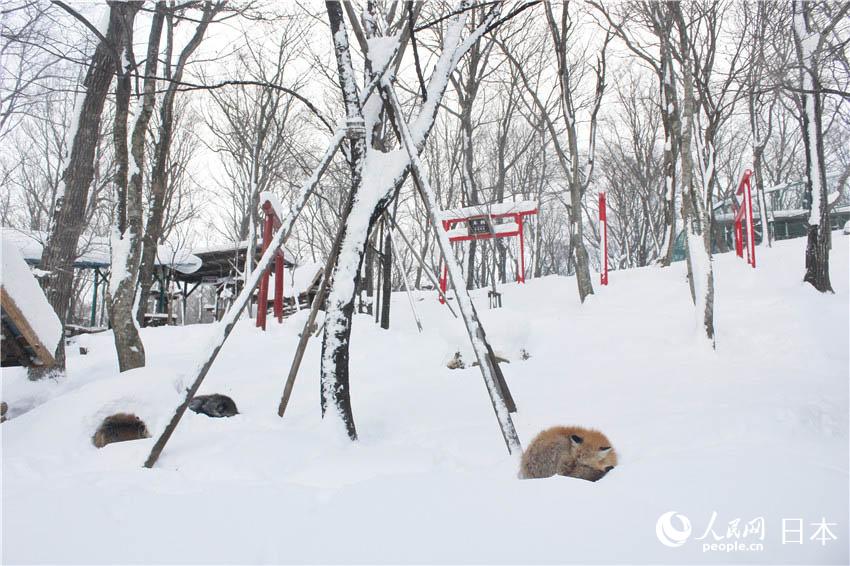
x,y
159,174
386,277
127,241
69,213
577,185
696,218
340,309
808,42
663,23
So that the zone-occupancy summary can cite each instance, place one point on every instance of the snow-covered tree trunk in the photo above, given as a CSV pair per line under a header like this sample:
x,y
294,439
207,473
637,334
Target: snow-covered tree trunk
x,y
376,175
578,178
808,43
694,205
72,197
127,234
483,352
662,24
340,304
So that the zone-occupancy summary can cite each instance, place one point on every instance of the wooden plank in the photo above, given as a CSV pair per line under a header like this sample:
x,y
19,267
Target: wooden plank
x,y
16,316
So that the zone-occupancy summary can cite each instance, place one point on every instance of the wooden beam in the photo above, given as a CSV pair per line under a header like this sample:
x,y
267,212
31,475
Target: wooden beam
x,y
16,316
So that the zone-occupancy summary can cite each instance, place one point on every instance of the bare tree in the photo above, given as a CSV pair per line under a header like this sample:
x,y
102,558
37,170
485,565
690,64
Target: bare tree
x,y
811,36
174,71
127,237
72,198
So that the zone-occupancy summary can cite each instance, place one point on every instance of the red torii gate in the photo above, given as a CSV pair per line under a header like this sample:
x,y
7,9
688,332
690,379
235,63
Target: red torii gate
x,y
479,225
271,224
745,214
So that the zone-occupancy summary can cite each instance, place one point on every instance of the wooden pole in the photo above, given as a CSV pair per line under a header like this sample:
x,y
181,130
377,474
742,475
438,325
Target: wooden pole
x,y
476,333
226,327
311,320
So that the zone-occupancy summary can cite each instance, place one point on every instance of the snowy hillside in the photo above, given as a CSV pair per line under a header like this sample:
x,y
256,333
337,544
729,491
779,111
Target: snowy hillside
x,y
757,429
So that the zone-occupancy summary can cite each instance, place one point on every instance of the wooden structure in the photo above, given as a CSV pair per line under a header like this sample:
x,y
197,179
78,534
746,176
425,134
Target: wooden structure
x,y
745,214
272,223
485,222
21,345
30,329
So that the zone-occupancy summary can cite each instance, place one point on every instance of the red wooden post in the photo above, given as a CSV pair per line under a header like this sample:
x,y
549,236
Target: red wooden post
x,y
520,276
745,214
444,282
263,302
751,232
603,228
444,277
739,237
278,286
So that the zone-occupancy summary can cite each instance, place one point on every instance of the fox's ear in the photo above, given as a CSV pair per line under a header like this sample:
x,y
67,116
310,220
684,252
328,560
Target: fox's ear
x,y
576,439
604,451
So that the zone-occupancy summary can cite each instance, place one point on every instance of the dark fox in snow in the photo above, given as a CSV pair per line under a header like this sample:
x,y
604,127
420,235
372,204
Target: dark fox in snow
x,y
215,405
118,428
568,451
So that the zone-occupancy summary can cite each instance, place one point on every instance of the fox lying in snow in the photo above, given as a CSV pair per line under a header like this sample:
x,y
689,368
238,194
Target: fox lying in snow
x,y
568,451
119,428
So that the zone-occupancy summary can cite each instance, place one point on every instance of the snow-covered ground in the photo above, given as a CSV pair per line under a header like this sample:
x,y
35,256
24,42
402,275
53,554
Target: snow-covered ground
x,y
756,430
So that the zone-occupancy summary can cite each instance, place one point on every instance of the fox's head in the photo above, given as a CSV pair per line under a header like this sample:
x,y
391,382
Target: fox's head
x,y
592,455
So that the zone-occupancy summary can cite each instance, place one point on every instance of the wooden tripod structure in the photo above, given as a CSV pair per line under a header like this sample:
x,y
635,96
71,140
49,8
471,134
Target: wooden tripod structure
x,y
494,381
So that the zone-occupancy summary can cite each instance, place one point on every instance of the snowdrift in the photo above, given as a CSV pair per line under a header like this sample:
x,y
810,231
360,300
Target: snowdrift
x,y
756,430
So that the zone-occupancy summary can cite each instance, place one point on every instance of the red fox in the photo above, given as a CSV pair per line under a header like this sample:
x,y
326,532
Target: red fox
x,y
568,451
118,428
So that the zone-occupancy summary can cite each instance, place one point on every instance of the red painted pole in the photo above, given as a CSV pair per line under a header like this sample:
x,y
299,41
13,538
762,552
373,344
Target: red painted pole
x,y
263,302
603,226
751,232
278,286
520,277
745,214
445,275
739,238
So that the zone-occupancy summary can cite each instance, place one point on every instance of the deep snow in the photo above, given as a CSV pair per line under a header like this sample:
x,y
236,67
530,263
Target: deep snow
x,y
757,429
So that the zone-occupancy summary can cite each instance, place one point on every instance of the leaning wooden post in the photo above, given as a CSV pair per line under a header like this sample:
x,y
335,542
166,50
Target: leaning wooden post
x,y
241,301
311,320
232,315
467,310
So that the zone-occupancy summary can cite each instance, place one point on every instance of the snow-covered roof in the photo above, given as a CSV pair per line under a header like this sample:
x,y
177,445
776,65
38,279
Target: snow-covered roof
x,y
95,251
299,280
499,208
21,287
462,230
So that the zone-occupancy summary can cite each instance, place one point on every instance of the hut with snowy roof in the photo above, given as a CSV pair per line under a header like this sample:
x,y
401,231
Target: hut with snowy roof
x,y
30,328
